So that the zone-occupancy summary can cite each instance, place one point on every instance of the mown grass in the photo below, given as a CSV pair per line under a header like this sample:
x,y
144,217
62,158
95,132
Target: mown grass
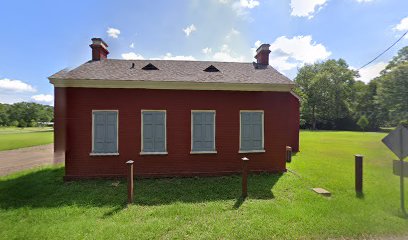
x,y
13,138
37,204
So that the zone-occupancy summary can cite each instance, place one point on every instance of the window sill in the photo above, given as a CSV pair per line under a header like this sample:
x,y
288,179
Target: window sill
x,y
103,154
153,153
203,152
252,151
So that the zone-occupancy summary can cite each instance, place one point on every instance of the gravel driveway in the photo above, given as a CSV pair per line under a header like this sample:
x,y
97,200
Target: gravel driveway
x,y
25,158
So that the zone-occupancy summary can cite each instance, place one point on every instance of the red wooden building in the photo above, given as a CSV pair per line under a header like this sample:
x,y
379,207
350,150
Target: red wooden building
x,y
173,118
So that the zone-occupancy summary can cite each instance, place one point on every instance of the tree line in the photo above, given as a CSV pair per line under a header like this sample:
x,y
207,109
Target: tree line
x,y
25,114
332,98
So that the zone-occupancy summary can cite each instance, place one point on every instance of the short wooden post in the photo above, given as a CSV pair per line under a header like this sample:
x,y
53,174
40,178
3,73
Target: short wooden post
x,y
359,173
288,154
130,180
245,177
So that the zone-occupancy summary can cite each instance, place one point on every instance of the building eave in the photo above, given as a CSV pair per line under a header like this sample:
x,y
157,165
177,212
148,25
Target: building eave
x,y
92,83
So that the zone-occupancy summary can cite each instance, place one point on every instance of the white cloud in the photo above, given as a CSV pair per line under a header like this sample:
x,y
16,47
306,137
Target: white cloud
x,y
233,33
132,45
226,55
257,44
282,63
44,98
241,7
371,71
402,26
361,1
306,8
287,53
188,30
132,56
170,56
113,32
206,50
248,3
15,86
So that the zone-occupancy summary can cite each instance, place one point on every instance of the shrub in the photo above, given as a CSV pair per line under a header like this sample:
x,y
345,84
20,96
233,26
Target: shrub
x,y
363,122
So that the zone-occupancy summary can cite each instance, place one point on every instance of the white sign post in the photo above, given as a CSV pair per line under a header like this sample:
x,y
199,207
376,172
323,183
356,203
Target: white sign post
x,y
397,142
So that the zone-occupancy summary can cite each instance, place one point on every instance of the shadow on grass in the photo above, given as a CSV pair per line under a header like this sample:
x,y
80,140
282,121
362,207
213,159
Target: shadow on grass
x,y
45,188
360,195
239,202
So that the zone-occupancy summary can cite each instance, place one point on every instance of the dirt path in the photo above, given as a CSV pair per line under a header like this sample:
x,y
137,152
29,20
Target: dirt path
x,y
25,158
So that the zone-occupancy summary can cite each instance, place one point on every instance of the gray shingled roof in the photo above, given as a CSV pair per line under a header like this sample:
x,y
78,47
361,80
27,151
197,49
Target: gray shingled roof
x,y
174,71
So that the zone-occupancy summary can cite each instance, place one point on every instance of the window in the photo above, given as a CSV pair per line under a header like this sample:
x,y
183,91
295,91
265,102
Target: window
x,y
252,131
203,131
104,132
153,132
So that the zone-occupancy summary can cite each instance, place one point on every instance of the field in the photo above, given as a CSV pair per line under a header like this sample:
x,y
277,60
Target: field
x,y
13,138
37,204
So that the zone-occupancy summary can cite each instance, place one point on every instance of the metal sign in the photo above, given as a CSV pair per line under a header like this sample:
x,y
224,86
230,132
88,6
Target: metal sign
x,y
400,168
397,142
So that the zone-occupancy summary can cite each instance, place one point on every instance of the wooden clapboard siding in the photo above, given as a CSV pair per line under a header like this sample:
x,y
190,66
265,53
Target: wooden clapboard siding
x,y
73,130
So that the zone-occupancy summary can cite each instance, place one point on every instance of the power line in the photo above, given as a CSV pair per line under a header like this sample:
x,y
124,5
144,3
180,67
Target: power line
x,y
379,55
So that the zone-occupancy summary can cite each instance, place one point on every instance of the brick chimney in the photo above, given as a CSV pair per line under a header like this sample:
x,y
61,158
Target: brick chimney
x,y
262,54
99,49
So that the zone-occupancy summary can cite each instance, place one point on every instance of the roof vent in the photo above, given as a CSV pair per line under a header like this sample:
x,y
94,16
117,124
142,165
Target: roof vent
x,y
150,67
211,68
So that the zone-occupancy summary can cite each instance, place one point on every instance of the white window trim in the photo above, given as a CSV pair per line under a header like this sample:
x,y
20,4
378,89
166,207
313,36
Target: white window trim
x,y
263,132
117,134
191,137
141,131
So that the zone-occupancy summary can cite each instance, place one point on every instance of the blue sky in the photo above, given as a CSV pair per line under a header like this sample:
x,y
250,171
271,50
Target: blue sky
x,y
39,38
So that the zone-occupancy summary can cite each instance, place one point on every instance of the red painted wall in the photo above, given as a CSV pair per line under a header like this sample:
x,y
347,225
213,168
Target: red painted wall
x,y
294,123
73,130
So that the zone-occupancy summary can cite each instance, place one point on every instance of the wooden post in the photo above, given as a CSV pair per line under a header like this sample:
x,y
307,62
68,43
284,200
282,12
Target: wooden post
x,y
288,154
244,177
130,180
359,173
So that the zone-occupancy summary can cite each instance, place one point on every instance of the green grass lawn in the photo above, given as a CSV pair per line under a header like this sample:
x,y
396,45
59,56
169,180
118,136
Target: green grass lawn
x,y
13,138
37,204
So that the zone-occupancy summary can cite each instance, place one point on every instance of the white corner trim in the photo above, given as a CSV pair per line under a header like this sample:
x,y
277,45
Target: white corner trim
x,y
251,151
154,153
192,130
203,152
103,154
141,130
296,96
117,130
240,133
148,84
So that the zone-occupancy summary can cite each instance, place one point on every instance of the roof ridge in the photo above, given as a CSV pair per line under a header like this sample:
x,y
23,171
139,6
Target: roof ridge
x,y
170,60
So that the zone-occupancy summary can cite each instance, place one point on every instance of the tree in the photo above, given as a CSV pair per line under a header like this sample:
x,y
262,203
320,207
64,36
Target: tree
x,y
31,113
393,93
366,104
363,122
14,123
332,99
327,92
22,123
402,57
4,118
33,123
